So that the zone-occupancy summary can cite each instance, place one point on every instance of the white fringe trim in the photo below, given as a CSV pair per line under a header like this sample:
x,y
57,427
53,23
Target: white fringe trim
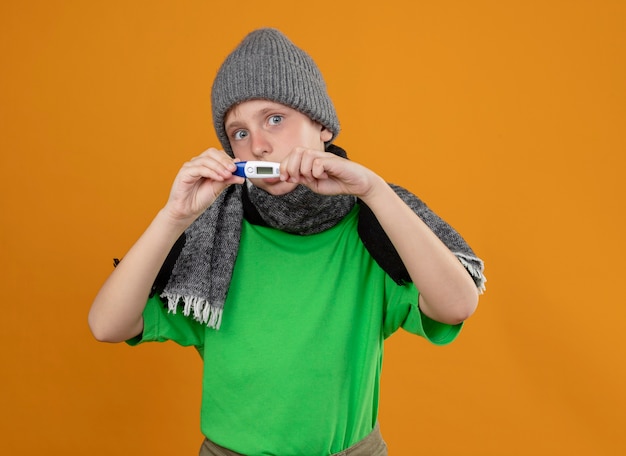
x,y
202,311
469,263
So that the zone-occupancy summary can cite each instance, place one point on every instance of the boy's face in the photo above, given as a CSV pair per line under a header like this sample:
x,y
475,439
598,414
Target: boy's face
x,y
268,131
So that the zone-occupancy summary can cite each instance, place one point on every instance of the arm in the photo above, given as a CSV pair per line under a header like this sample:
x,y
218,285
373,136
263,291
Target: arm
x,y
447,292
116,313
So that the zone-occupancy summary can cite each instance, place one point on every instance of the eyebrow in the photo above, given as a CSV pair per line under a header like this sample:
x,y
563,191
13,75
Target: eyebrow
x,y
261,113
234,124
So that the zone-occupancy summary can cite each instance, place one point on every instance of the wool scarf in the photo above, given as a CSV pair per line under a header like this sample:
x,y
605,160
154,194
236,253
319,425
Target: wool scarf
x,y
197,272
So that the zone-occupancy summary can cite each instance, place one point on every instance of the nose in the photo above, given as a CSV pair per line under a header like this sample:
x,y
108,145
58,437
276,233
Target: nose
x,y
261,145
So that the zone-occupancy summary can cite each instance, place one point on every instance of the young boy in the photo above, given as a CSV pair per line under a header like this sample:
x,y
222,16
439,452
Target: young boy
x,y
287,286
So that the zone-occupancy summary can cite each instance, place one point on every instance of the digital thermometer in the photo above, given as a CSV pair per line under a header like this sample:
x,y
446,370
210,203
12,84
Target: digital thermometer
x,y
257,169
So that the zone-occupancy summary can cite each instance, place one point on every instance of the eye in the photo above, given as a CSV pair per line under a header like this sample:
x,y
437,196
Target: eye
x,y
275,119
240,134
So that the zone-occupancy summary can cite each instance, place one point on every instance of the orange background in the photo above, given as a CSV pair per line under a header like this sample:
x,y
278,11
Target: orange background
x,y
507,117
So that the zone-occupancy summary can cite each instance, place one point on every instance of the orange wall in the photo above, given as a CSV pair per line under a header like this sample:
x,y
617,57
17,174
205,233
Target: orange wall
x,y
507,117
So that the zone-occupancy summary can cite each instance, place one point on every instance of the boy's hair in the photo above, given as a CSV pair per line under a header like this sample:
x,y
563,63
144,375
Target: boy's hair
x,y
267,65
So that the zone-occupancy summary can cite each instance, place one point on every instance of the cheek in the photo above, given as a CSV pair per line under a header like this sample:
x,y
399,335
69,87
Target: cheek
x,y
240,152
310,137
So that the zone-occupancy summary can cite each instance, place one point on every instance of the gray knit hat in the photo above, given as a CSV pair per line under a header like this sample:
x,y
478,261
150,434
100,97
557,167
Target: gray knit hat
x,y
266,65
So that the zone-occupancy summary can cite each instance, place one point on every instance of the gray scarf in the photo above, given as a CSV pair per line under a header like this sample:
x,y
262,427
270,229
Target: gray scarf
x,y
198,270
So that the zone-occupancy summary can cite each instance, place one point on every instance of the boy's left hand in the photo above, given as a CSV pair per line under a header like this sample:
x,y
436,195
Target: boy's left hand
x,y
326,173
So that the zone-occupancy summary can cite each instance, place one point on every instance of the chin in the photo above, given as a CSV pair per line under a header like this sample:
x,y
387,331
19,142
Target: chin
x,y
277,188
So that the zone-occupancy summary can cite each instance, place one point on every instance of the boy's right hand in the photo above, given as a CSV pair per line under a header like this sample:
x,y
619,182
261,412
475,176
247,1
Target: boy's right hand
x,y
117,311
198,183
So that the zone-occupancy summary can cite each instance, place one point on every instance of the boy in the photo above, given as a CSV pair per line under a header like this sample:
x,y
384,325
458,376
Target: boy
x,y
287,286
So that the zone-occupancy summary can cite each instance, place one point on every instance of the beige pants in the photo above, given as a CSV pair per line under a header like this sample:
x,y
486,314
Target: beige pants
x,y
372,445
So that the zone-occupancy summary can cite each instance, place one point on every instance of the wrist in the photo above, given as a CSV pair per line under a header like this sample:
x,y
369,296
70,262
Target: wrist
x,y
376,191
171,222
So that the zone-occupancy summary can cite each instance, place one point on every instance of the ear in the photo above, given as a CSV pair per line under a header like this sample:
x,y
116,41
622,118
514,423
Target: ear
x,y
326,134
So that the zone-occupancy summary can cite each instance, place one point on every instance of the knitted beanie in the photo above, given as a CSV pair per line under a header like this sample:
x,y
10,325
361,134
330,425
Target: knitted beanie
x,y
267,65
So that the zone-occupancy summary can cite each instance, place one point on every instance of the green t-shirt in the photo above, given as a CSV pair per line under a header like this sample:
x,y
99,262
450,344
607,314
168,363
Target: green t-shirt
x,y
295,367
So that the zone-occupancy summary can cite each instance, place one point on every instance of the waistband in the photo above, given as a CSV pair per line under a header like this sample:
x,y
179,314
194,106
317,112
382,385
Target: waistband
x,y
372,445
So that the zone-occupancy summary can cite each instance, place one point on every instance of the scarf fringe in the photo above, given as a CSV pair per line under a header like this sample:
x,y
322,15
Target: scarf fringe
x,y
203,312
475,267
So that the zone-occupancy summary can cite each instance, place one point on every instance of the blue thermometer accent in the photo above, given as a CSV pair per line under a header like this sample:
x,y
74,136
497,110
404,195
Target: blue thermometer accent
x,y
257,169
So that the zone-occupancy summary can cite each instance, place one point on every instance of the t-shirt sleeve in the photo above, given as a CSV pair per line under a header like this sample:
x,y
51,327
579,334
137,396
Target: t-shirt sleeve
x,y
402,311
160,325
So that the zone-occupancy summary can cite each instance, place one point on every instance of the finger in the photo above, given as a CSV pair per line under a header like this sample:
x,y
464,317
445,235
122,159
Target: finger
x,y
306,164
319,168
212,164
290,166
